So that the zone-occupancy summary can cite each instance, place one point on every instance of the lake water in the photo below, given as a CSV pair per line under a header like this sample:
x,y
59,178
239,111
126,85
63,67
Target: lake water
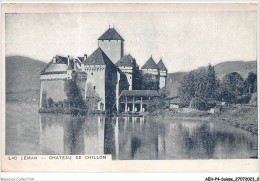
x,y
140,138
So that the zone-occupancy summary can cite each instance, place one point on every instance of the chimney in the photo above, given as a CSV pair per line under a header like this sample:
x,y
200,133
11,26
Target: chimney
x,y
85,57
68,60
54,60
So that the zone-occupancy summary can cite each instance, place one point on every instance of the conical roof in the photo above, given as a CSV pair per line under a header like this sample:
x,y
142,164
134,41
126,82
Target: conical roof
x,y
161,65
126,61
110,34
98,57
150,64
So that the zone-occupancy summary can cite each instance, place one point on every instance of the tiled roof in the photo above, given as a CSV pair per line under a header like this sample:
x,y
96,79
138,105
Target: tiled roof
x,y
56,68
61,59
110,34
59,66
126,61
98,57
161,66
142,93
81,59
150,64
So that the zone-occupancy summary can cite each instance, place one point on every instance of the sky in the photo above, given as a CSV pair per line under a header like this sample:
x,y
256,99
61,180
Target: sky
x,y
184,40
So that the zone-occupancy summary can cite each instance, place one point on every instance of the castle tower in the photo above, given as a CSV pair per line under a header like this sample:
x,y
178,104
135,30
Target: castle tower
x,y
150,67
53,78
112,44
150,74
104,81
127,65
163,73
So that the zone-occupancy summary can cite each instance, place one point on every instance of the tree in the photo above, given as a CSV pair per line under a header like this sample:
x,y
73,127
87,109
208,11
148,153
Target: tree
x,y
232,87
50,103
92,98
163,92
73,92
212,83
44,100
137,79
155,104
150,82
198,89
250,84
187,89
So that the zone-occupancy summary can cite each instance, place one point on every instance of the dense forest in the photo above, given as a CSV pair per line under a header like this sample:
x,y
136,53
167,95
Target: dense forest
x,y
201,89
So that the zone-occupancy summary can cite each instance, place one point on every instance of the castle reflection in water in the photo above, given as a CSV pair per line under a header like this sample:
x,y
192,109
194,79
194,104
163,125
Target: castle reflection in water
x,y
129,138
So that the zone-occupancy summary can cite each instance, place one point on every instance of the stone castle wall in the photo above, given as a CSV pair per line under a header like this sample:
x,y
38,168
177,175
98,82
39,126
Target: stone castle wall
x,y
163,76
53,89
162,82
150,71
95,83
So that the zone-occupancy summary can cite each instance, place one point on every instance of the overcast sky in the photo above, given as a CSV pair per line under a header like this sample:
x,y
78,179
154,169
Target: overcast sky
x,y
184,40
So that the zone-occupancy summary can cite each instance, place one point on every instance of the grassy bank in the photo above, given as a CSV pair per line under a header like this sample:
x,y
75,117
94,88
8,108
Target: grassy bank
x,y
180,113
243,117
72,111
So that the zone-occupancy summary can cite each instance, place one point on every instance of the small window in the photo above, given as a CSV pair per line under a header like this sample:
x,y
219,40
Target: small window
x,y
94,87
92,73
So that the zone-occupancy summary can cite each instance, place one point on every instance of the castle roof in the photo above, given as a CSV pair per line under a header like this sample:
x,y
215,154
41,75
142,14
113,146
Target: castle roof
x,y
110,34
161,65
150,64
126,61
98,57
81,59
140,93
59,66
61,59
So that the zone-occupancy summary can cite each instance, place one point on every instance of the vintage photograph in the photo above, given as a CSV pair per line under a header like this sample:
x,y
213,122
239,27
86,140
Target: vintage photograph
x,y
133,85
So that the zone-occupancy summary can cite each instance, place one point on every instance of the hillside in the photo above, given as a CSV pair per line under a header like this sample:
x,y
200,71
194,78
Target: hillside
x,y
243,68
221,69
23,76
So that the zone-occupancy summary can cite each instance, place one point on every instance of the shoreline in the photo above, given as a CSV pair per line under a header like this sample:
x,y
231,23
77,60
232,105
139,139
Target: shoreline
x,y
242,117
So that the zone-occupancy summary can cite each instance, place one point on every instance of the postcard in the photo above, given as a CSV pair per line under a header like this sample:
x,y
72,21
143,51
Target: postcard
x,y
129,87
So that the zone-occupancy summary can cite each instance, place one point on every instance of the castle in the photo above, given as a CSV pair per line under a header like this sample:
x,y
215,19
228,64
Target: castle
x,y
107,74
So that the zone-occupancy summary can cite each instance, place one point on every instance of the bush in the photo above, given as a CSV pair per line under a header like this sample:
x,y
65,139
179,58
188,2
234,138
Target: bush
x,y
244,99
157,103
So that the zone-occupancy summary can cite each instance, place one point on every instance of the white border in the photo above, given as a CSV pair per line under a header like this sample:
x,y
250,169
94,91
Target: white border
x,y
128,176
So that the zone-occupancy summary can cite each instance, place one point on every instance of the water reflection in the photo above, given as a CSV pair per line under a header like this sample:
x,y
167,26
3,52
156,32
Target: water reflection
x,y
141,138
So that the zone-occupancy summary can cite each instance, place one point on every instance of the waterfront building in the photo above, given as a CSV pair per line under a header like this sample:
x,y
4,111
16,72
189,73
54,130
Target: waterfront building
x,y
136,101
105,76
